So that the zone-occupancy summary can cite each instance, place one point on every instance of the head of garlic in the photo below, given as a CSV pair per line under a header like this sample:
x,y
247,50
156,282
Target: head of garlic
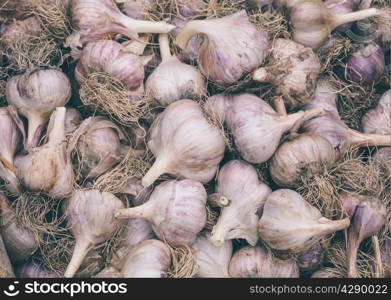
x,y
184,144
378,120
173,80
304,156
290,224
238,181
48,168
36,95
231,46
20,242
176,210
148,259
212,261
292,70
256,127
257,262
73,119
90,219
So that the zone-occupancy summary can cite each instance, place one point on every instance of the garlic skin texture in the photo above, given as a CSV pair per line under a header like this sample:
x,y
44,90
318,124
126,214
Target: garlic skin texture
x,y
36,95
149,259
238,181
173,80
292,70
184,144
72,120
90,219
32,270
256,128
20,30
48,168
212,261
341,7
19,242
137,9
304,156
232,46
256,262
312,259
290,224
378,120
176,210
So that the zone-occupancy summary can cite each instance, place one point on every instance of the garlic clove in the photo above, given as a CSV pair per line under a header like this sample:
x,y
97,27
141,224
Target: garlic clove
x,y
184,144
176,210
212,261
257,262
149,259
378,120
232,46
238,181
291,224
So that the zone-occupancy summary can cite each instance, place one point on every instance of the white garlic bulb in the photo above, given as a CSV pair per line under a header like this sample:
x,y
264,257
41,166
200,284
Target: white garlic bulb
x,y
378,120
184,144
238,181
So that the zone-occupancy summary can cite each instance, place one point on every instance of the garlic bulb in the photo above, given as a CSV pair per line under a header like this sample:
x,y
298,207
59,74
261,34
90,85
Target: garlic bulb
x,y
369,217
190,53
19,241
312,259
313,21
367,64
232,46
32,270
100,144
137,9
36,95
184,144
6,270
378,120
97,18
304,156
212,261
19,30
292,70
256,128
11,136
385,251
90,219
72,120
173,80
339,7
48,168
149,259
349,203
257,262
291,224
238,181
176,210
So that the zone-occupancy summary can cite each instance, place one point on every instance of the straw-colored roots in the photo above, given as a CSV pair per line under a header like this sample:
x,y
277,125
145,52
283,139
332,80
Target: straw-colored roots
x,y
183,263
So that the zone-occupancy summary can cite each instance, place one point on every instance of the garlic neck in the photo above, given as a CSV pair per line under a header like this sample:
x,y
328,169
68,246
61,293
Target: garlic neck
x,y
164,46
159,167
56,131
340,19
137,47
79,253
295,120
190,29
359,139
352,249
36,124
141,26
327,226
143,211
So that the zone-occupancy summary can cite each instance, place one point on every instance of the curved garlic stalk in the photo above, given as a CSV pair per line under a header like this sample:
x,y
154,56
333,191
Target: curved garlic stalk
x,y
385,251
19,242
176,210
212,261
257,262
256,128
291,224
378,120
48,168
292,70
339,7
173,80
36,95
238,181
232,46
148,259
90,219
184,144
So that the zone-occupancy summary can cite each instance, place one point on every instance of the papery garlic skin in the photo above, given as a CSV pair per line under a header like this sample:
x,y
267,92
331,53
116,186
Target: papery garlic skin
x,y
378,120
73,119
48,168
291,224
176,210
137,9
20,30
232,46
341,7
149,259
36,95
212,261
304,156
349,203
256,262
238,181
184,144
293,70
90,219
312,259
33,270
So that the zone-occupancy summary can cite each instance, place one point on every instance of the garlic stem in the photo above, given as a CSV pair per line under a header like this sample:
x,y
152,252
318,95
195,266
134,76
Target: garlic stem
x,y
188,31
301,116
279,106
219,233
158,168
218,200
365,139
7,164
141,211
164,46
57,132
352,249
35,128
137,47
378,260
263,75
141,26
353,16
330,226
81,249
